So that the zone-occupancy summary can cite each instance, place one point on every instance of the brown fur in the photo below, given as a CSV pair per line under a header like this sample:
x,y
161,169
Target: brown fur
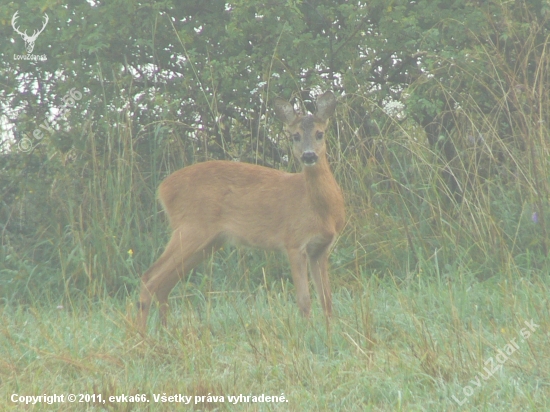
x,y
214,202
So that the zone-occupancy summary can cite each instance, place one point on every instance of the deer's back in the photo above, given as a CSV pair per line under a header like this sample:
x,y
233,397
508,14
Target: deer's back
x,y
253,204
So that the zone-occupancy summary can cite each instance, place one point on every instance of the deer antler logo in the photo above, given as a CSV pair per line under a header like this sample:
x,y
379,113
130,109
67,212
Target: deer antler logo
x,y
29,40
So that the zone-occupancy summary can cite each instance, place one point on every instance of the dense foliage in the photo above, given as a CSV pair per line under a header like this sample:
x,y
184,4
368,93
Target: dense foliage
x,y
440,140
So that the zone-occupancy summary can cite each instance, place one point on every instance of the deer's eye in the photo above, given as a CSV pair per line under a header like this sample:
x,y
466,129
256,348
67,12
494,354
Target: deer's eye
x,y
319,135
296,137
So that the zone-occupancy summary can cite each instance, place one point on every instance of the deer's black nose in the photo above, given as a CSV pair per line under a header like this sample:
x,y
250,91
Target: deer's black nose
x,y
309,158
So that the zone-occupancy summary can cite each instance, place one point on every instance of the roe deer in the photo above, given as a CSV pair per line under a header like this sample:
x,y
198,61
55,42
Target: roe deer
x,y
213,202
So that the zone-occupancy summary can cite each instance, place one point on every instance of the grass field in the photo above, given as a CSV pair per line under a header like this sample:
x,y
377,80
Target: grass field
x,y
414,343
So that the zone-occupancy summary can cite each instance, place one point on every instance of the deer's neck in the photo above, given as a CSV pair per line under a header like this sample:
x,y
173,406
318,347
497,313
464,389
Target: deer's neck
x,y
322,190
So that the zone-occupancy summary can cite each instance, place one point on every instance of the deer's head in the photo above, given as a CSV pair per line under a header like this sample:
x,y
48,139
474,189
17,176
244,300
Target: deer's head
x,y
307,132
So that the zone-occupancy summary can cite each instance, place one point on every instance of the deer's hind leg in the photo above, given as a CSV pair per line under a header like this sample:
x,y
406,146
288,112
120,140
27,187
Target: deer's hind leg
x,y
186,248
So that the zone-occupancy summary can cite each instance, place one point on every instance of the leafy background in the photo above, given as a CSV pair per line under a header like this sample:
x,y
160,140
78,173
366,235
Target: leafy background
x,y
440,140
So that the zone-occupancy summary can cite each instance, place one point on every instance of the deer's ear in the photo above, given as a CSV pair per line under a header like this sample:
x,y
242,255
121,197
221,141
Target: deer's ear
x,y
326,103
284,111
